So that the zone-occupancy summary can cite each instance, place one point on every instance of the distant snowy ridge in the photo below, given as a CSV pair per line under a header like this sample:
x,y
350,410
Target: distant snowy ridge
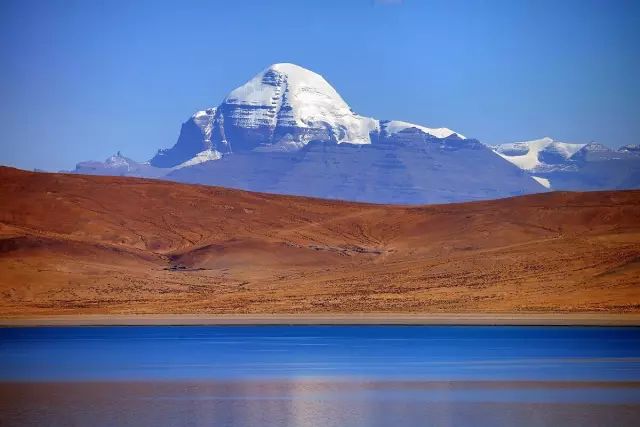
x,y
530,155
563,166
118,164
634,149
394,126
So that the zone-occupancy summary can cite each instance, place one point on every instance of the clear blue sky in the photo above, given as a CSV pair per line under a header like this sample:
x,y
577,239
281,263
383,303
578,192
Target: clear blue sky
x,y
83,79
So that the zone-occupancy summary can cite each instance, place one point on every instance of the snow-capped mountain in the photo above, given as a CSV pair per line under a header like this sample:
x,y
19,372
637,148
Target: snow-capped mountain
x,y
282,108
563,166
287,130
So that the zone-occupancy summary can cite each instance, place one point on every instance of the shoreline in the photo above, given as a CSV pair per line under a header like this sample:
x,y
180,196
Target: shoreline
x,y
450,319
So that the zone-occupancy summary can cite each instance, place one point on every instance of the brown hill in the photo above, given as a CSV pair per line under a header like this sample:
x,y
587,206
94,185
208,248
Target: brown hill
x,y
87,244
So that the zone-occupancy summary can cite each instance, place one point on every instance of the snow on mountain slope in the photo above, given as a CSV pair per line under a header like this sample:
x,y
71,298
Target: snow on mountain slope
x,y
538,154
201,157
204,121
395,126
542,181
289,95
284,107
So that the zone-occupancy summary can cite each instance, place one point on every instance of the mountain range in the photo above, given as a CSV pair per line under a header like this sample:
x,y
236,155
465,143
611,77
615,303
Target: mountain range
x,y
288,131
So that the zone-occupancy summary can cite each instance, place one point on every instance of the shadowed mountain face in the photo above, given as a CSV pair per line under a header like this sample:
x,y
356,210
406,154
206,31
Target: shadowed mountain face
x,y
384,172
288,131
89,244
195,137
598,167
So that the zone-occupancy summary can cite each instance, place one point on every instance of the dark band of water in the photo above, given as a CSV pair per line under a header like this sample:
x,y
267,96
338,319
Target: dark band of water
x,y
389,352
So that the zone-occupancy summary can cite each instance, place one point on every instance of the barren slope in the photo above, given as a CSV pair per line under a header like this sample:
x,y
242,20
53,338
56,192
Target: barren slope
x,y
86,244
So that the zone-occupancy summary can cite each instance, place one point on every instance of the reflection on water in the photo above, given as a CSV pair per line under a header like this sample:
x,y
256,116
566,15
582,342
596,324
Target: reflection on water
x,y
319,403
320,376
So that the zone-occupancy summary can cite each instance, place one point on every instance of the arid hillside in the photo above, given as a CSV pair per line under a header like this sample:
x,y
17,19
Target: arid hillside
x,y
84,244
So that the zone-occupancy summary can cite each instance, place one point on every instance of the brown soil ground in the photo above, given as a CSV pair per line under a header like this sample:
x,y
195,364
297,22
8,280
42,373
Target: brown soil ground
x,y
72,244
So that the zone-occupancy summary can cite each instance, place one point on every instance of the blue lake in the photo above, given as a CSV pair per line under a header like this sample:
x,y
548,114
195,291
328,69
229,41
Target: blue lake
x,y
320,375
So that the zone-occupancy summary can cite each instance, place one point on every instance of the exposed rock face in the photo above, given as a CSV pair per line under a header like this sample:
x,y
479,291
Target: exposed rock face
x,y
195,137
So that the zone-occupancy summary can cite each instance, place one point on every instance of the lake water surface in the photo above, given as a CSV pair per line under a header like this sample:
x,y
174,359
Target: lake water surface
x,y
320,376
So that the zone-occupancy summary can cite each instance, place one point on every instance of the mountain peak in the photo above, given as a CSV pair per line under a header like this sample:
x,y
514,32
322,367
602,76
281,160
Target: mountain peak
x,y
283,108
289,68
291,106
300,85
118,159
